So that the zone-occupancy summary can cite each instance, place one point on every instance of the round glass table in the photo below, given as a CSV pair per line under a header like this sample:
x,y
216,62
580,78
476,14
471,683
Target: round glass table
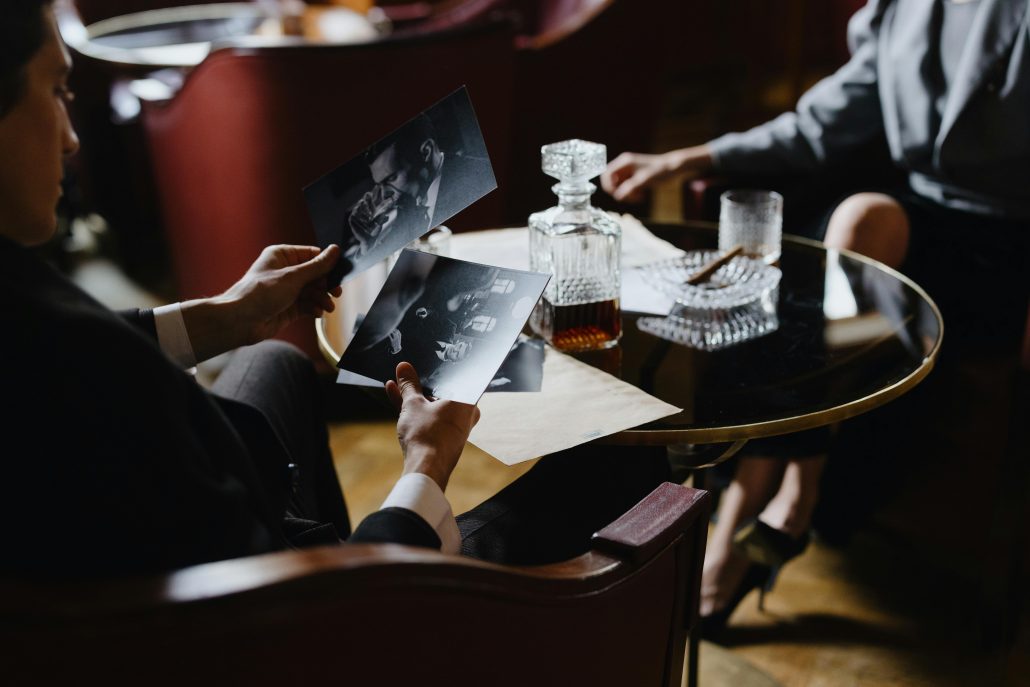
x,y
848,335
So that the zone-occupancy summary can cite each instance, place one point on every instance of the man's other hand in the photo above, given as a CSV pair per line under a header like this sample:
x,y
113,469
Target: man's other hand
x,y
432,433
284,284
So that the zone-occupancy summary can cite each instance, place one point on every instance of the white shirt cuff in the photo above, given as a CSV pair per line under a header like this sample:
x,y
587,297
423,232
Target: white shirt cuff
x,y
421,495
172,336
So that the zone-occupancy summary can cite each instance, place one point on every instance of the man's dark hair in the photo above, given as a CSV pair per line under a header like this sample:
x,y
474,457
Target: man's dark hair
x,y
408,140
22,28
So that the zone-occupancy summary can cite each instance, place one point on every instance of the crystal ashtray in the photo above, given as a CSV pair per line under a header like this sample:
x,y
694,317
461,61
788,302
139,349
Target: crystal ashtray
x,y
715,329
739,282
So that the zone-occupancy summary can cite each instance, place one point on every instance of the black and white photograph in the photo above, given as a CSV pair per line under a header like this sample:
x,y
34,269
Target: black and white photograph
x,y
523,369
412,180
455,321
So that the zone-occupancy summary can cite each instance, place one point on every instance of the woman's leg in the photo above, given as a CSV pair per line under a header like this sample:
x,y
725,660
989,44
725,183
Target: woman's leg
x,y
783,493
790,510
873,224
753,485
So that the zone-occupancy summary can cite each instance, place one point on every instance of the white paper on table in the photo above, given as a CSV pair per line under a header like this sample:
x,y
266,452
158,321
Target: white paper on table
x,y
639,296
510,248
639,245
576,404
499,247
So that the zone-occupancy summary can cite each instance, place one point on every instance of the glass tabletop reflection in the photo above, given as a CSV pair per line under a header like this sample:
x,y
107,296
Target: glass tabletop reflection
x,y
852,334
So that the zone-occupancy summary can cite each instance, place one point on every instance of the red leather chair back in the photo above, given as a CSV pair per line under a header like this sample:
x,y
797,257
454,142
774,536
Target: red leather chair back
x,y
251,127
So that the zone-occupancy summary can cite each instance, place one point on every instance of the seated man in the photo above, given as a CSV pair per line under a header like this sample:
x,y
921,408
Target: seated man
x,y
120,463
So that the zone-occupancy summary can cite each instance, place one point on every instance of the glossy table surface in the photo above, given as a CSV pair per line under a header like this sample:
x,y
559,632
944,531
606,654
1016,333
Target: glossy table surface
x,y
852,335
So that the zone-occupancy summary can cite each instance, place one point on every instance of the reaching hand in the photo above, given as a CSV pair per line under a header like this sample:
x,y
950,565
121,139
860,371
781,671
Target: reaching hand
x,y
283,284
432,433
630,174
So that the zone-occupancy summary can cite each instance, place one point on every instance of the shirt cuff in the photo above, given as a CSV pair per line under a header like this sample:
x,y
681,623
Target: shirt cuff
x,y
421,495
172,336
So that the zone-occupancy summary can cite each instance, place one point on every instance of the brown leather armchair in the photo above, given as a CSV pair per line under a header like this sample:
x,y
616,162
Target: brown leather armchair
x,y
233,149
381,614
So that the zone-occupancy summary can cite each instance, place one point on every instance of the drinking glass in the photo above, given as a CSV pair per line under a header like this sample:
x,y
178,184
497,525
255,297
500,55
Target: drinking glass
x,y
754,220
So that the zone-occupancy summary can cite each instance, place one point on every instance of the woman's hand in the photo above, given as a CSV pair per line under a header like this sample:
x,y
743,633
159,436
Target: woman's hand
x,y
630,174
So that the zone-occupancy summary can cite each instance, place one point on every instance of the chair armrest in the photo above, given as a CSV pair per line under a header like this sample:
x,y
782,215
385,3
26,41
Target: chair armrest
x,y
654,522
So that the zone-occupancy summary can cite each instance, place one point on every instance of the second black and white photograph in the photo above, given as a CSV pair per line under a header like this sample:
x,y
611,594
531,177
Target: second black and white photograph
x,y
413,179
455,321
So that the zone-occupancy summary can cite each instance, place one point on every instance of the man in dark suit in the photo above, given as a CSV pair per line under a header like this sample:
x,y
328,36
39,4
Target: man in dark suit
x,y
127,464
118,462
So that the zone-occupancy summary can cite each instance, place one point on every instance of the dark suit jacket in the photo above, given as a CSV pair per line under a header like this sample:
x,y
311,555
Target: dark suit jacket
x,y
116,461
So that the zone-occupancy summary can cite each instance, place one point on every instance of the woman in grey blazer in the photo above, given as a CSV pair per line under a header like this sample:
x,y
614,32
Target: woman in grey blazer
x,y
947,84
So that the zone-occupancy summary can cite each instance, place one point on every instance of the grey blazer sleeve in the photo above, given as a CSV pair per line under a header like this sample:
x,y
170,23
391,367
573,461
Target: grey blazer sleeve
x,y
838,114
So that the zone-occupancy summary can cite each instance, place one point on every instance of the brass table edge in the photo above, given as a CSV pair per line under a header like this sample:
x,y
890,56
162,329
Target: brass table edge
x,y
330,354
757,430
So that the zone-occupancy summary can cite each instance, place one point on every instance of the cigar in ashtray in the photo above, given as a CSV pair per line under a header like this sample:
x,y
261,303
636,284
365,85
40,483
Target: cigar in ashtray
x,y
710,268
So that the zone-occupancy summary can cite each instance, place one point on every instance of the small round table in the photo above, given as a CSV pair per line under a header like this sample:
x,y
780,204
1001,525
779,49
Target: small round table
x,y
852,335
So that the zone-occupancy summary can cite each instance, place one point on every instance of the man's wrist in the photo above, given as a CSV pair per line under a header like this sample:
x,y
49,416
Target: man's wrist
x,y
213,325
427,461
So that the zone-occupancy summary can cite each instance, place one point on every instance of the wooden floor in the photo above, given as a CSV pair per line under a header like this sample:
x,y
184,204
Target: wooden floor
x,y
881,612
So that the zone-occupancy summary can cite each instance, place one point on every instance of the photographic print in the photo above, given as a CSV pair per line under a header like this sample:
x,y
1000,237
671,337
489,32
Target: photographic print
x,y
455,321
523,369
410,181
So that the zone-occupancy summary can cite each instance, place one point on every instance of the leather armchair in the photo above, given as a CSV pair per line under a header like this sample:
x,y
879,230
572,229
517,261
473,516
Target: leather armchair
x,y
381,614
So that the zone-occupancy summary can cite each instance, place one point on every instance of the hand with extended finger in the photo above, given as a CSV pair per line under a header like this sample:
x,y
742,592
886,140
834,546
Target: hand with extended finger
x,y
432,433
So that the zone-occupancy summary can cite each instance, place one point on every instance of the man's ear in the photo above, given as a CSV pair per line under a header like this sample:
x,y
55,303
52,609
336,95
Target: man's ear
x,y
427,150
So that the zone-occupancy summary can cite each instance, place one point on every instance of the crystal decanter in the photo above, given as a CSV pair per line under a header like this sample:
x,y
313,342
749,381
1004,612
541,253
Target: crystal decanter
x,y
579,245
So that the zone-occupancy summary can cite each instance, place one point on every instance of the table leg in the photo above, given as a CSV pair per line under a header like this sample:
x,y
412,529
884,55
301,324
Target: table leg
x,y
693,646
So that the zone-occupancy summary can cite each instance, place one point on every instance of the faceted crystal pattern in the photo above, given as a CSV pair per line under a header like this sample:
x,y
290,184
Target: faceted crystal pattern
x,y
574,160
713,330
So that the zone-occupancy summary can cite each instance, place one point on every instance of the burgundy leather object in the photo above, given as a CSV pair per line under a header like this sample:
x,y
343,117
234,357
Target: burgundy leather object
x,y
250,128
380,615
